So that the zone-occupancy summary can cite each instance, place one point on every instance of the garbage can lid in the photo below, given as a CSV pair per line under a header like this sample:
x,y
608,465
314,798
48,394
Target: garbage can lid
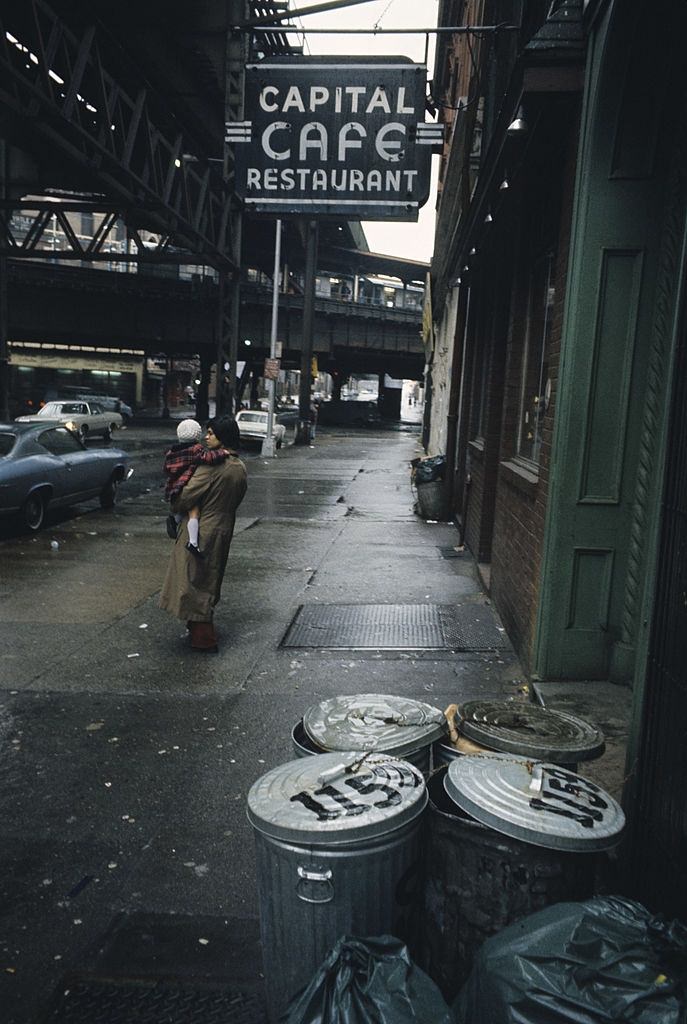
x,y
374,721
529,730
336,798
536,802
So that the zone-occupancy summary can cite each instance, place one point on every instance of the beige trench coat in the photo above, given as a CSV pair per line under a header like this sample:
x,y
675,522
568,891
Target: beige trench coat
x,y
192,585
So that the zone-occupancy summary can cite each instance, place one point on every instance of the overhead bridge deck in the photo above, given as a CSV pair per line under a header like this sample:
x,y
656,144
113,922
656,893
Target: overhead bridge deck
x,y
106,308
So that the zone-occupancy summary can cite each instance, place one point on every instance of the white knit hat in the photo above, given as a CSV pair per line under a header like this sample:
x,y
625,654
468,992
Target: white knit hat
x,y
189,430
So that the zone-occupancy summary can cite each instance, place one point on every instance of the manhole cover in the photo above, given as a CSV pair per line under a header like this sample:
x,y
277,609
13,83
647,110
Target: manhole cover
x,y
396,627
88,999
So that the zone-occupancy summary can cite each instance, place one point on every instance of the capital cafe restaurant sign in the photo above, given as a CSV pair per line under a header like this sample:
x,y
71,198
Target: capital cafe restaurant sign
x,y
327,135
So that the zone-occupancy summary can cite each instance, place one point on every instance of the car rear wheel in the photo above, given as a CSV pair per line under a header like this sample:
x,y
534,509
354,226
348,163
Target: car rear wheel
x,y
83,431
33,512
108,495
107,432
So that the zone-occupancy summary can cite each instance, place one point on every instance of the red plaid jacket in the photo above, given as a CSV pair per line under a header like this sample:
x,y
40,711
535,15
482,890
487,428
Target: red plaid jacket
x,y
181,461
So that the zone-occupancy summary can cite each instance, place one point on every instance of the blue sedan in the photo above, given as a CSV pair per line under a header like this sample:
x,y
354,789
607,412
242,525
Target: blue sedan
x,y
45,465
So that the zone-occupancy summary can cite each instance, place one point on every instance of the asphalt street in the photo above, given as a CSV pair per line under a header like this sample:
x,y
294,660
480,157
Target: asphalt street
x,y
125,758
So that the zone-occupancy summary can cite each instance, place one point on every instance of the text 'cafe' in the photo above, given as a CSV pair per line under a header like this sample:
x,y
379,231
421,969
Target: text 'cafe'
x,y
335,138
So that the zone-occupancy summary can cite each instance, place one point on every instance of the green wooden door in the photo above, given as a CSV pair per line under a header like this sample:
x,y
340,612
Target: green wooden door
x,y
611,391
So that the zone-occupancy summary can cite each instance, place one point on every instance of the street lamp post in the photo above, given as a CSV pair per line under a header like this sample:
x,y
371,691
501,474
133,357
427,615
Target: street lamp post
x,y
268,447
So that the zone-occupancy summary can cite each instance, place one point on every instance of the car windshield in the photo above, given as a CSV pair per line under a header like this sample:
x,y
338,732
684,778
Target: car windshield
x,y
7,442
252,417
61,409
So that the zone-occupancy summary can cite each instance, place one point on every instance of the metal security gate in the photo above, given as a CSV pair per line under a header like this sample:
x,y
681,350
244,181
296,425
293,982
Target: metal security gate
x,y
659,850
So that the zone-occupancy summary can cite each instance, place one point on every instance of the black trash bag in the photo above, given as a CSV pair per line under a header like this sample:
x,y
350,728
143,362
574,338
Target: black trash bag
x,y
428,470
368,981
600,961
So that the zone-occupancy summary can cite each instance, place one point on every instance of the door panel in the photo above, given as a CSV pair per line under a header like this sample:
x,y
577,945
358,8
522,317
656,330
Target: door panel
x,y
612,382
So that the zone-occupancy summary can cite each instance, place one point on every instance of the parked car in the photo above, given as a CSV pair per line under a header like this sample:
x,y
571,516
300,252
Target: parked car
x,y
109,403
252,424
287,413
284,412
86,418
45,465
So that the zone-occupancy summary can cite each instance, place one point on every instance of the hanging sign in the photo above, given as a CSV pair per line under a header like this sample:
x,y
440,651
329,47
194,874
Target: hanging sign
x,y
326,135
271,370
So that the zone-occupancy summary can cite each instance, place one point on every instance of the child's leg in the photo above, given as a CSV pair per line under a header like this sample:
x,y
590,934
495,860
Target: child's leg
x,y
193,526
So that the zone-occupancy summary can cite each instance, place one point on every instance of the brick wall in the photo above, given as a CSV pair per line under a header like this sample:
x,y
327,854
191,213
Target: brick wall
x,y
485,438
521,492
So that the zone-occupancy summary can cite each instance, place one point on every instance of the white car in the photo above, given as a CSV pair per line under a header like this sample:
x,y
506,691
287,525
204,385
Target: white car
x,y
252,424
109,404
84,418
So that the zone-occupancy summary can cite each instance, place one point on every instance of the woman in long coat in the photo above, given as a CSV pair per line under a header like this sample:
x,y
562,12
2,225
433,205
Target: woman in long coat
x,y
192,585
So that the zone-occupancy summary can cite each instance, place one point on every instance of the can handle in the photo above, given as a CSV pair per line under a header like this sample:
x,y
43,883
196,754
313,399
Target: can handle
x,y
314,886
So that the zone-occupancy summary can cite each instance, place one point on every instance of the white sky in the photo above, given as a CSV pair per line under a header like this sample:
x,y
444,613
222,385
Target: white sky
x,y
413,240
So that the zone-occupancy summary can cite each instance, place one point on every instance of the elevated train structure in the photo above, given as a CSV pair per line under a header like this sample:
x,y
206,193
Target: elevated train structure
x,y
113,120
115,326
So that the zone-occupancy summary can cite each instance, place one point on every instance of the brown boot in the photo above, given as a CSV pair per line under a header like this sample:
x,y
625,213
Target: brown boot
x,y
203,637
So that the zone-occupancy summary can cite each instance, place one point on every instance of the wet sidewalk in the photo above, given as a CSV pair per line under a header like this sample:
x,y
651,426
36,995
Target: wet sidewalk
x,y
128,757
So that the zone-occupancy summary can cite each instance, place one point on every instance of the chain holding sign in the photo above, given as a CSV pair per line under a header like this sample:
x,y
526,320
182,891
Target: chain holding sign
x,y
327,135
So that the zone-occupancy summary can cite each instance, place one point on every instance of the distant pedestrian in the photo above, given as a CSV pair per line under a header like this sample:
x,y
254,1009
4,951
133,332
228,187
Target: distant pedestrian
x,y
192,586
181,461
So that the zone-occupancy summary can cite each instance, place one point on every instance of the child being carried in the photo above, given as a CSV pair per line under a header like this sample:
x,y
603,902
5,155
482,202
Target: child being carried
x,y
180,463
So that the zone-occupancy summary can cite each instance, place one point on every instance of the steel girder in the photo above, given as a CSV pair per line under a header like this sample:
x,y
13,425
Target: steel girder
x,y
125,143
25,227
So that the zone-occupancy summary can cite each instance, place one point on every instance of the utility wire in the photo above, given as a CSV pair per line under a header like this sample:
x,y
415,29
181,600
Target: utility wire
x,y
382,15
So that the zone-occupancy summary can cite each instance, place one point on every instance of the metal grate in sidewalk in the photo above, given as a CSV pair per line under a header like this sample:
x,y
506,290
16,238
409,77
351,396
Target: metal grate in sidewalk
x,y
94,999
394,627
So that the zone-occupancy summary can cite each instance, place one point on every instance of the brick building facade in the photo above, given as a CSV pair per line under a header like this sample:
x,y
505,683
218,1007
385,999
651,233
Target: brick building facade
x,y
509,282
562,254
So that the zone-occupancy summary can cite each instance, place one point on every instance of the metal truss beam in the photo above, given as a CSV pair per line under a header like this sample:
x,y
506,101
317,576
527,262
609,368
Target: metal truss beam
x,y
127,143
28,230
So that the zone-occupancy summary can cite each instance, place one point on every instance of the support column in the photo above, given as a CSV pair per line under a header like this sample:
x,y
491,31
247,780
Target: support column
x,y
381,394
225,368
4,313
304,432
202,405
254,384
165,390
4,345
234,315
229,300
268,445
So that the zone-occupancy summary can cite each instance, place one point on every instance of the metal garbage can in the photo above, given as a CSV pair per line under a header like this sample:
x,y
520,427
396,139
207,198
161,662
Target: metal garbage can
x,y
517,727
505,837
338,852
398,726
431,501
